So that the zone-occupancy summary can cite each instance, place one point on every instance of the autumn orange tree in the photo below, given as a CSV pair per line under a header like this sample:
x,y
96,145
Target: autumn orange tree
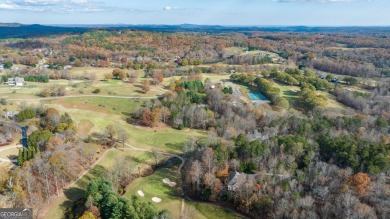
x,y
360,181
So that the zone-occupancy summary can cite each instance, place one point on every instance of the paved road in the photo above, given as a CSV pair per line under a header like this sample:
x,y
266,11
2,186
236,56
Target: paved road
x,y
76,96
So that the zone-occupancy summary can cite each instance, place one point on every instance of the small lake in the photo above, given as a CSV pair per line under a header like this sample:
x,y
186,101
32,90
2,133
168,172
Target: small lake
x,y
255,96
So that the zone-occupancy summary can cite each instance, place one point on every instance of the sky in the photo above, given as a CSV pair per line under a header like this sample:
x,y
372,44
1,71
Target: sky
x,y
203,12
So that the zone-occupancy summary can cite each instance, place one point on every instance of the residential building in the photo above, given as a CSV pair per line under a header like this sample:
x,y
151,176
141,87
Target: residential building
x,y
11,114
17,81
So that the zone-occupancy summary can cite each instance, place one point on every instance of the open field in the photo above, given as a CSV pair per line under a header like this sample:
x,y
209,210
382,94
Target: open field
x,y
164,138
243,51
213,77
98,104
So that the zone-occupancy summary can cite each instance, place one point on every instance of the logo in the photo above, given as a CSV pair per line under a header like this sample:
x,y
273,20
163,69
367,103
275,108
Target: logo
x,y
16,213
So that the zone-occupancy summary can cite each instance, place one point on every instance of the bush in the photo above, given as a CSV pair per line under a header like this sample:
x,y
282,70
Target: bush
x,y
282,103
96,91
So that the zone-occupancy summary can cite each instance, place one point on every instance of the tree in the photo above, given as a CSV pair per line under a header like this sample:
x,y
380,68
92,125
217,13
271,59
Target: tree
x,y
122,136
165,114
155,154
282,103
53,142
208,158
360,181
158,77
8,64
146,118
111,205
118,73
110,133
145,85
133,77
351,81
107,76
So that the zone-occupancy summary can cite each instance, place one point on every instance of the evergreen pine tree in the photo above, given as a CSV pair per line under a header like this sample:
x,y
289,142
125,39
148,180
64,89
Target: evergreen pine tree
x,y
20,158
29,154
25,155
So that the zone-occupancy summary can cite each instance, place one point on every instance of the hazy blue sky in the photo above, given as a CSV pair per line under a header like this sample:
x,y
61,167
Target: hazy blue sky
x,y
225,12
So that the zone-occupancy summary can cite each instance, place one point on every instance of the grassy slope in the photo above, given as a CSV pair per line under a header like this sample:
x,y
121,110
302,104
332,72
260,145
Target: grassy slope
x,y
77,191
152,186
165,139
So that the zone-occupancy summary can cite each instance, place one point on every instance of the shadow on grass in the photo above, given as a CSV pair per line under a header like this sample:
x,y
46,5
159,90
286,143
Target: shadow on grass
x,y
175,146
290,94
95,172
74,206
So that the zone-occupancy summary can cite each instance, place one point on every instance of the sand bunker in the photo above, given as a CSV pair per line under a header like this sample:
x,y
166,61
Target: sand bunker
x,y
169,182
141,193
155,199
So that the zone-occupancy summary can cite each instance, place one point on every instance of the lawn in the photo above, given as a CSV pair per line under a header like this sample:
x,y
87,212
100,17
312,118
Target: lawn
x,y
213,77
153,186
243,51
98,104
291,93
163,137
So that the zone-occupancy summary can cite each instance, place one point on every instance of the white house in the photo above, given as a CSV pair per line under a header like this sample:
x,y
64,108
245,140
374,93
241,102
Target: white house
x,y
16,81
1,66
11,114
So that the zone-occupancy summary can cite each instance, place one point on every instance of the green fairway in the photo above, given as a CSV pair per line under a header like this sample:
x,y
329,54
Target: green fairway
x,y
153,186
164,138
77,191
99,104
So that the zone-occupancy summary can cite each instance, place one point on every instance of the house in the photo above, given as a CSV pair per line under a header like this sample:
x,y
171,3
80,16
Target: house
x,y
11,114
232,71
1,66
236,179
67,67
335,80
17,81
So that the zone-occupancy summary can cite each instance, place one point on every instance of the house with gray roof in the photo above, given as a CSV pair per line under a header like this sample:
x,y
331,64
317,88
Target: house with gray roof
x,y
236,179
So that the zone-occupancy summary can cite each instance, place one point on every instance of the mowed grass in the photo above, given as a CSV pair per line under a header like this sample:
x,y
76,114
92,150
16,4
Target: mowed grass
x,y
153,186
99,104
243,51
163,137
135,158
213,77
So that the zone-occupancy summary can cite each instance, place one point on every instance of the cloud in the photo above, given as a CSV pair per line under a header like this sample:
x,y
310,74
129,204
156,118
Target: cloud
x,y
58,6
171,8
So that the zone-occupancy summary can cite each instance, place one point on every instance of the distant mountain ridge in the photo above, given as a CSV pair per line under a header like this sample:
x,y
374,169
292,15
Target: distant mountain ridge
x,y
16,30
10,24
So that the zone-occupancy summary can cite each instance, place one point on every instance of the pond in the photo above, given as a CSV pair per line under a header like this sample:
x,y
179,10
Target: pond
x,y
255,96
